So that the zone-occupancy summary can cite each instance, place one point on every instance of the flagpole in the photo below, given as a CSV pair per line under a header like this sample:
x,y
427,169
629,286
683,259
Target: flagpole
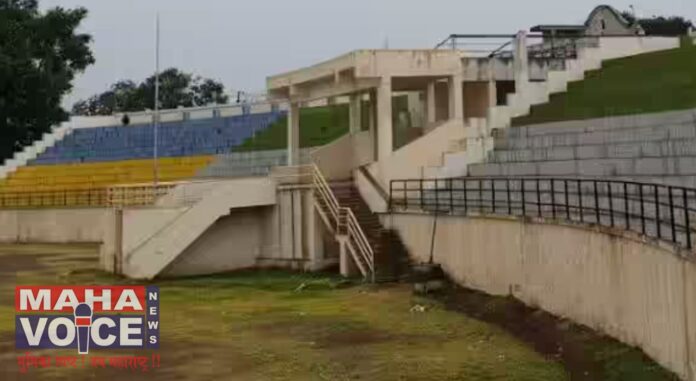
x,y
155,131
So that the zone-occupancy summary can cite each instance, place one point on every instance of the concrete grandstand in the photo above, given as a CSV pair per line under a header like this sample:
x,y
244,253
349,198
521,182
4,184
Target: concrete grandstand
x,y
430,136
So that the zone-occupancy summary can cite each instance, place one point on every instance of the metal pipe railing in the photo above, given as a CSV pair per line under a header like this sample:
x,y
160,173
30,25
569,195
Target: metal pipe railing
x,y
345,223
657,211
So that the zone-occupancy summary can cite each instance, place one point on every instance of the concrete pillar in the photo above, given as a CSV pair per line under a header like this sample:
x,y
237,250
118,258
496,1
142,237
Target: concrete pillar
x,y
430,99
313,228
521,61
456,96
347,266
298,227
372,121
355,113
492,92
294,134
385,130
343,256
285,221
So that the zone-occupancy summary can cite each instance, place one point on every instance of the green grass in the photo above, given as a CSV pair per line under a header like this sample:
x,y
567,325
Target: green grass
x,y
274,325
318,126
654,82
586,354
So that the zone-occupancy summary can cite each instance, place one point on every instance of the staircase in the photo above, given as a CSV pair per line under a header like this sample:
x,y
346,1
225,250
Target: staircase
x,y
173,233
653,148
478,140
391,260
32,151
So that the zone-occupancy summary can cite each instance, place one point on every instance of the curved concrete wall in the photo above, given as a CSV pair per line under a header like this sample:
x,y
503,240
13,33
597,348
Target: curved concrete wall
x,y
639,292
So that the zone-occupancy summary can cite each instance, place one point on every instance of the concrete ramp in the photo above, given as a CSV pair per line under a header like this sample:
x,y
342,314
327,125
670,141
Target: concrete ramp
x,y
170,230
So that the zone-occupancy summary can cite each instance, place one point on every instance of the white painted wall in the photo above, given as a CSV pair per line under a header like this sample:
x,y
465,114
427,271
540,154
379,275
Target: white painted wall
x,y
410,161
139,224
337,159
97,225
638,292
55,225
616,47
264,222
369,193
233,242
154,254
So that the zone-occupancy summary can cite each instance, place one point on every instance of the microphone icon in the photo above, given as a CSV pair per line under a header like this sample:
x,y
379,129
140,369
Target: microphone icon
x,y
83,322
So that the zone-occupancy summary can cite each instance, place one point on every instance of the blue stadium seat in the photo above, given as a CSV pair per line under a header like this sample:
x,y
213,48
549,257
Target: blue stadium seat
x,y
186,138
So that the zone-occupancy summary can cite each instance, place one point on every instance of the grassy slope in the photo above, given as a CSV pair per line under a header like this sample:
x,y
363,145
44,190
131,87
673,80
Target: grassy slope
x,y
653,82
260,326
318,126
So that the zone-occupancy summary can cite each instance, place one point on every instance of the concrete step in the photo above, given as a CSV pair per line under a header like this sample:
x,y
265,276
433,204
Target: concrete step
x,y
661,148
681,117
388,250
631,167
562,137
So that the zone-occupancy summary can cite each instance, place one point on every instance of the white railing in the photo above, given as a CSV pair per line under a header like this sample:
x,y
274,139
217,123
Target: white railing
x,y
358,240
326,197
344,222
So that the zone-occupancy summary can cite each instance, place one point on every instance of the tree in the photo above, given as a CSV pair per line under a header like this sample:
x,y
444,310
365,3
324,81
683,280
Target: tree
x,y
207,91
177,88
661,25
40,55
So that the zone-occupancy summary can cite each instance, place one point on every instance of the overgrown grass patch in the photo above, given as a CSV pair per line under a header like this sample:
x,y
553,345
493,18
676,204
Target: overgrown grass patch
x,y
647,83
318,126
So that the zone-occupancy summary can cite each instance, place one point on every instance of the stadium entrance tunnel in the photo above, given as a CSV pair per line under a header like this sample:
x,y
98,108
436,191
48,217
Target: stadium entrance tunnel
x,y
566,246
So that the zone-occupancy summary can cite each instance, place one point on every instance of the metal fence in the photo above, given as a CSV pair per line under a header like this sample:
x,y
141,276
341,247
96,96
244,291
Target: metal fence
x,y
137,194
53,198
653,210
96,197
539,46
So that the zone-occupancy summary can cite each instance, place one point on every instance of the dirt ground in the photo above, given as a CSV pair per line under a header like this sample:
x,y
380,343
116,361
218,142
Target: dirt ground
x,y
585,354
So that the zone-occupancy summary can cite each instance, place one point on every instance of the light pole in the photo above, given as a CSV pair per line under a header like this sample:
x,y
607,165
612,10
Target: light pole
x,y
155,129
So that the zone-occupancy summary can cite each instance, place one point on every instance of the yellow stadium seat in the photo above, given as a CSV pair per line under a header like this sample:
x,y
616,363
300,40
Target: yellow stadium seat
x,y
85,184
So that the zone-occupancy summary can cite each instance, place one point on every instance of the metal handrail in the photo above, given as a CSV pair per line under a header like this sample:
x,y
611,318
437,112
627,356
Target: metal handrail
x,y
501,45
358,235
345,221
92,197
658,211
137,194
327,195
58,198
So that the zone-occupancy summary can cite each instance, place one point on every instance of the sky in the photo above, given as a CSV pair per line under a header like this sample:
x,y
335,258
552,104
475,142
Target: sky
x,y
242,42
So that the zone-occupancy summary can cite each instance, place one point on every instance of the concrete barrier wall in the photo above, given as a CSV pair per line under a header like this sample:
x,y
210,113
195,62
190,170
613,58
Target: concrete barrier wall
x,y
640,293
326,156
354,150
55,225
62,226
410,161
617,47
